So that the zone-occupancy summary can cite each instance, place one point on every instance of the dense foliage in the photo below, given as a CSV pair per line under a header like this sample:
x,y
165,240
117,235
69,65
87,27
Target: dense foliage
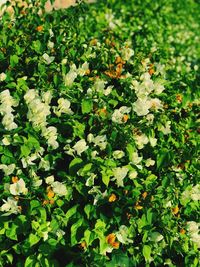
x,y
99,130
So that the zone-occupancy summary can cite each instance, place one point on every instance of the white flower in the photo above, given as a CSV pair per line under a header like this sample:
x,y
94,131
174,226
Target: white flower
x,y
70,76
118,114
30,95
149,162
122,235
101,141
7,101
99,85
158,88
132,174
141,140
29,160
156,104
94,154
80,146
50,135
118,154
152,141
83,69
193,227
18,188
63,107
119,174
195,193
64,61
6,140
48,60
59,188
127,53
49,179
196,239
50,44
135,159
10,206
108,90
150,118
44,164
37,110
2,76
47,96
142,106
7,169
60,233
8,122
166,129
90,138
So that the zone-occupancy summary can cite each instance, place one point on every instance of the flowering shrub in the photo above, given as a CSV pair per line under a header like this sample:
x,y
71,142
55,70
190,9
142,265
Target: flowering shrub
x,y
98,135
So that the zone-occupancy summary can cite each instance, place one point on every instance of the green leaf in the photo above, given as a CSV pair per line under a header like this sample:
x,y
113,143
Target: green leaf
x,y
105,178
162,158
88,237
14,59
75,165
25,151
74,229
70,213
33,239
147,252
88,209
35,204
86,106
30,261
11,232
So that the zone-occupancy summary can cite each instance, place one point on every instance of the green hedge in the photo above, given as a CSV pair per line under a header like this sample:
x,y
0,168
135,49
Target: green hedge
x,y
99,134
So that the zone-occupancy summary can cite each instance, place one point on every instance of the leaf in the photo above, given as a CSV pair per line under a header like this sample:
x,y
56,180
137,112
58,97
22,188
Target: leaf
x,y
33,239
162,158
11,232
105,178
30,261
70,213
87,235
34,204
25,151
147,252
14,59
74,229
88,208
75,165
86,106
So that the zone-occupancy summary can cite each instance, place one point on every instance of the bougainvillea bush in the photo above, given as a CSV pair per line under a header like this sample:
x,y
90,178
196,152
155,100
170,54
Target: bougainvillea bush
x,y
99,134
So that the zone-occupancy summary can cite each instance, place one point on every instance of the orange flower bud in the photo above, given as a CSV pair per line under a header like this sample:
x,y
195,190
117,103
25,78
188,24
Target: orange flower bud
x,y
39,28
110,239
50,194
15,179
125,118
182,231
179,98
115,245
112,198
138,206
144,195
45,202
83,245
151,71
51,201
93,42
175,210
